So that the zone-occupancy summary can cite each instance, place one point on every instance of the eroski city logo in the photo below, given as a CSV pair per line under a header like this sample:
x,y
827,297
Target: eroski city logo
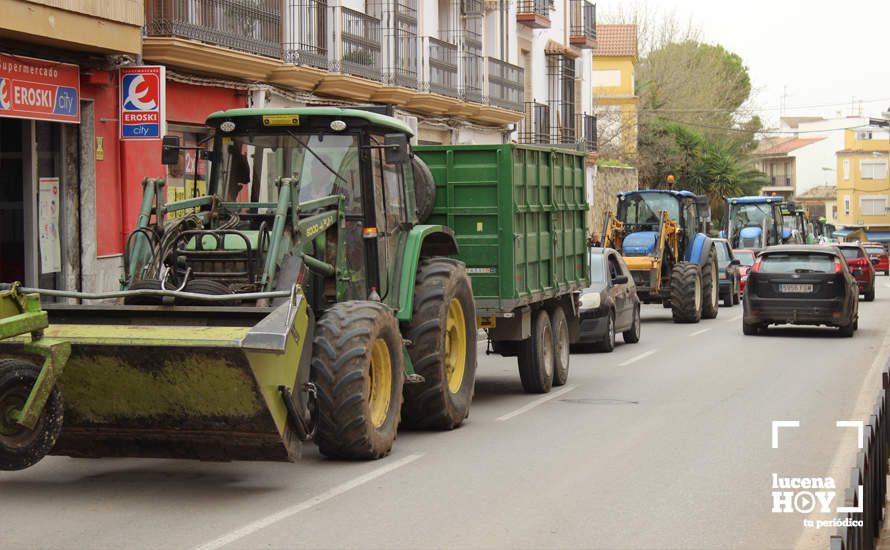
x,y
5,94
143,92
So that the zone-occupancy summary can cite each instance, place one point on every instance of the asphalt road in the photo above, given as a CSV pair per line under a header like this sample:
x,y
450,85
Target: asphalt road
x,y
661,444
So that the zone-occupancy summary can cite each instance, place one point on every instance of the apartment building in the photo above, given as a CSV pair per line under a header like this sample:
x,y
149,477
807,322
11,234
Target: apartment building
x,y
863,182
456,71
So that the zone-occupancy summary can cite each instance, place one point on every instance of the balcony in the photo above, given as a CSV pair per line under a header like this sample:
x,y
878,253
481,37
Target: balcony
x,y
472,81
359,44
443,60
533,13
306,36
587,135
247,27
582,32
535,127
505,85
780,181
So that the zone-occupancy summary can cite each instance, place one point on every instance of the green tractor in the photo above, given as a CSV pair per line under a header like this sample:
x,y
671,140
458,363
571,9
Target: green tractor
x,y
302,298
661,235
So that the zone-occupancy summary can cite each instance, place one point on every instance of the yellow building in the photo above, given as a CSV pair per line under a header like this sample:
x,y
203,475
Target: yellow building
x,y
863,186
614,95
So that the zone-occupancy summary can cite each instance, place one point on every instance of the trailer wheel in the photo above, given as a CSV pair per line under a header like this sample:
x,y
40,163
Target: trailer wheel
x,y
442,331
19,446
358,371
561,353
686,293
710,287
536,356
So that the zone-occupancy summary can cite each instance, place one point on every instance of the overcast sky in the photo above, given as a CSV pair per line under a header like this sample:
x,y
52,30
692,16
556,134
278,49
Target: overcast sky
x,y
820,52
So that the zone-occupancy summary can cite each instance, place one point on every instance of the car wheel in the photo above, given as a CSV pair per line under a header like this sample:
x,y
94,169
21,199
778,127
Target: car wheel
x,y
750,329
632,335
870,294
737,295
727,300
847,331
608,343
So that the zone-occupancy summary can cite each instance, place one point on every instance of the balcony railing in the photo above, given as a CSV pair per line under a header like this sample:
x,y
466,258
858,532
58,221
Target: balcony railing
x,y
780,181
587,136
443,59
505,85
306,28
534,13
251,27
473,69
402,58
535,127
582,32
359,44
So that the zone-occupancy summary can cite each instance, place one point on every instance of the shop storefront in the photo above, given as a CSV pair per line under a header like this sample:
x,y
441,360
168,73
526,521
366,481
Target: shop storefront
x,y
39,113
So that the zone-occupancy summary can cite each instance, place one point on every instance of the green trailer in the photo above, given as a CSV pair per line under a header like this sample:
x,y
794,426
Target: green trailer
x,y
519,218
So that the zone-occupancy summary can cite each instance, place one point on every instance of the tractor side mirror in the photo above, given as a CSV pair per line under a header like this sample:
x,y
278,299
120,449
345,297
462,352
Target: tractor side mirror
x,y
735,261
620,280
396,147
703,206
170,150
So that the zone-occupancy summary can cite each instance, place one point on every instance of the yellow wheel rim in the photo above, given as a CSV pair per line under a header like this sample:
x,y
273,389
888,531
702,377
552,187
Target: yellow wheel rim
x,y
380,383
455,346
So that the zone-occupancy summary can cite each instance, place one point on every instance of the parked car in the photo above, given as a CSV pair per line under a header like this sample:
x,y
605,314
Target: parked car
x,y
861,267
877,251
801,285
730,278
746,257
610,305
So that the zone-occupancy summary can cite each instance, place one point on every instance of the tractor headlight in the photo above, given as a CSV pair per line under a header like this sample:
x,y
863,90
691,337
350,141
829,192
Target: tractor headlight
x,y
227,126
590,300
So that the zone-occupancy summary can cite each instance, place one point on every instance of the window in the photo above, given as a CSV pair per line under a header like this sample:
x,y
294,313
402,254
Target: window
x,y
847,205
846,169
873,169
797,263
873,206
863,135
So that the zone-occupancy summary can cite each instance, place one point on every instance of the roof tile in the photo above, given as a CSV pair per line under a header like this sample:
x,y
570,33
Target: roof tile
x,y
616,41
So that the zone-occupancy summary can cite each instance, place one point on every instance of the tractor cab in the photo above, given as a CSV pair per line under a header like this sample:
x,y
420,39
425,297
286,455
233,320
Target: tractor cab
x,y
794,220
644,212
754,222
322,196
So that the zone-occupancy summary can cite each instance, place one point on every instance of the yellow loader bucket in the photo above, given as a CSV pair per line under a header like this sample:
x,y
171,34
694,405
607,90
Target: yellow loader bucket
x,y
182,382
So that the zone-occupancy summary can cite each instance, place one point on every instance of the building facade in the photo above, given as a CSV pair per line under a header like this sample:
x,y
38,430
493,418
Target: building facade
x,y
863,184
456,71
614,60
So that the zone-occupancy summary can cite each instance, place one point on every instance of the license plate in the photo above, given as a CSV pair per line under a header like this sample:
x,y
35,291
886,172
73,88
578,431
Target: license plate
x,y
795,289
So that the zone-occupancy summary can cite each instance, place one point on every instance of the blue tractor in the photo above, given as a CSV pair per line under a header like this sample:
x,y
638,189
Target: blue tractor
x,y
754,222
661,235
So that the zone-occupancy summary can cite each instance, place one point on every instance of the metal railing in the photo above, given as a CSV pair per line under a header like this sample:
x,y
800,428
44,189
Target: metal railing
x,y
401,68
535,127
443,60
587,136
582,16
536,7
473,76
780,181
868,482
359,44
253,27
306,33
505,85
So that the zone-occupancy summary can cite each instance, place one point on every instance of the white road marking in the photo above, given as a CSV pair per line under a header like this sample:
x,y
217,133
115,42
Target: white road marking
x,y
637,358
702,331
535,403
260,524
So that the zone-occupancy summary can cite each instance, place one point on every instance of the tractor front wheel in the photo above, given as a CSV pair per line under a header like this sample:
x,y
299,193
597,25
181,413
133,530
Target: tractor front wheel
x,y
19,446
442,331
710,286
358,371
686,293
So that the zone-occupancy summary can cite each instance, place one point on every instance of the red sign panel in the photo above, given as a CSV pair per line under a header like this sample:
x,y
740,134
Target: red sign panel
x,y
38,89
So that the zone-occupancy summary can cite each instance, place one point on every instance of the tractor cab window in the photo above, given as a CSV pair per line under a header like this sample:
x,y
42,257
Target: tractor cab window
x,y
643,208
323,164
690,218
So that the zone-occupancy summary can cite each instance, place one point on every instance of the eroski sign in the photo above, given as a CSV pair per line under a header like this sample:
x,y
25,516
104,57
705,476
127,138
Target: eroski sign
x,y
142,101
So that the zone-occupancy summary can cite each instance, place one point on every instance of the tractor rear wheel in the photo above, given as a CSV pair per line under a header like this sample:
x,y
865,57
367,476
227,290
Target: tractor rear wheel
x,y
442,332
536,356
686,293
710,287
19,446
358,371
